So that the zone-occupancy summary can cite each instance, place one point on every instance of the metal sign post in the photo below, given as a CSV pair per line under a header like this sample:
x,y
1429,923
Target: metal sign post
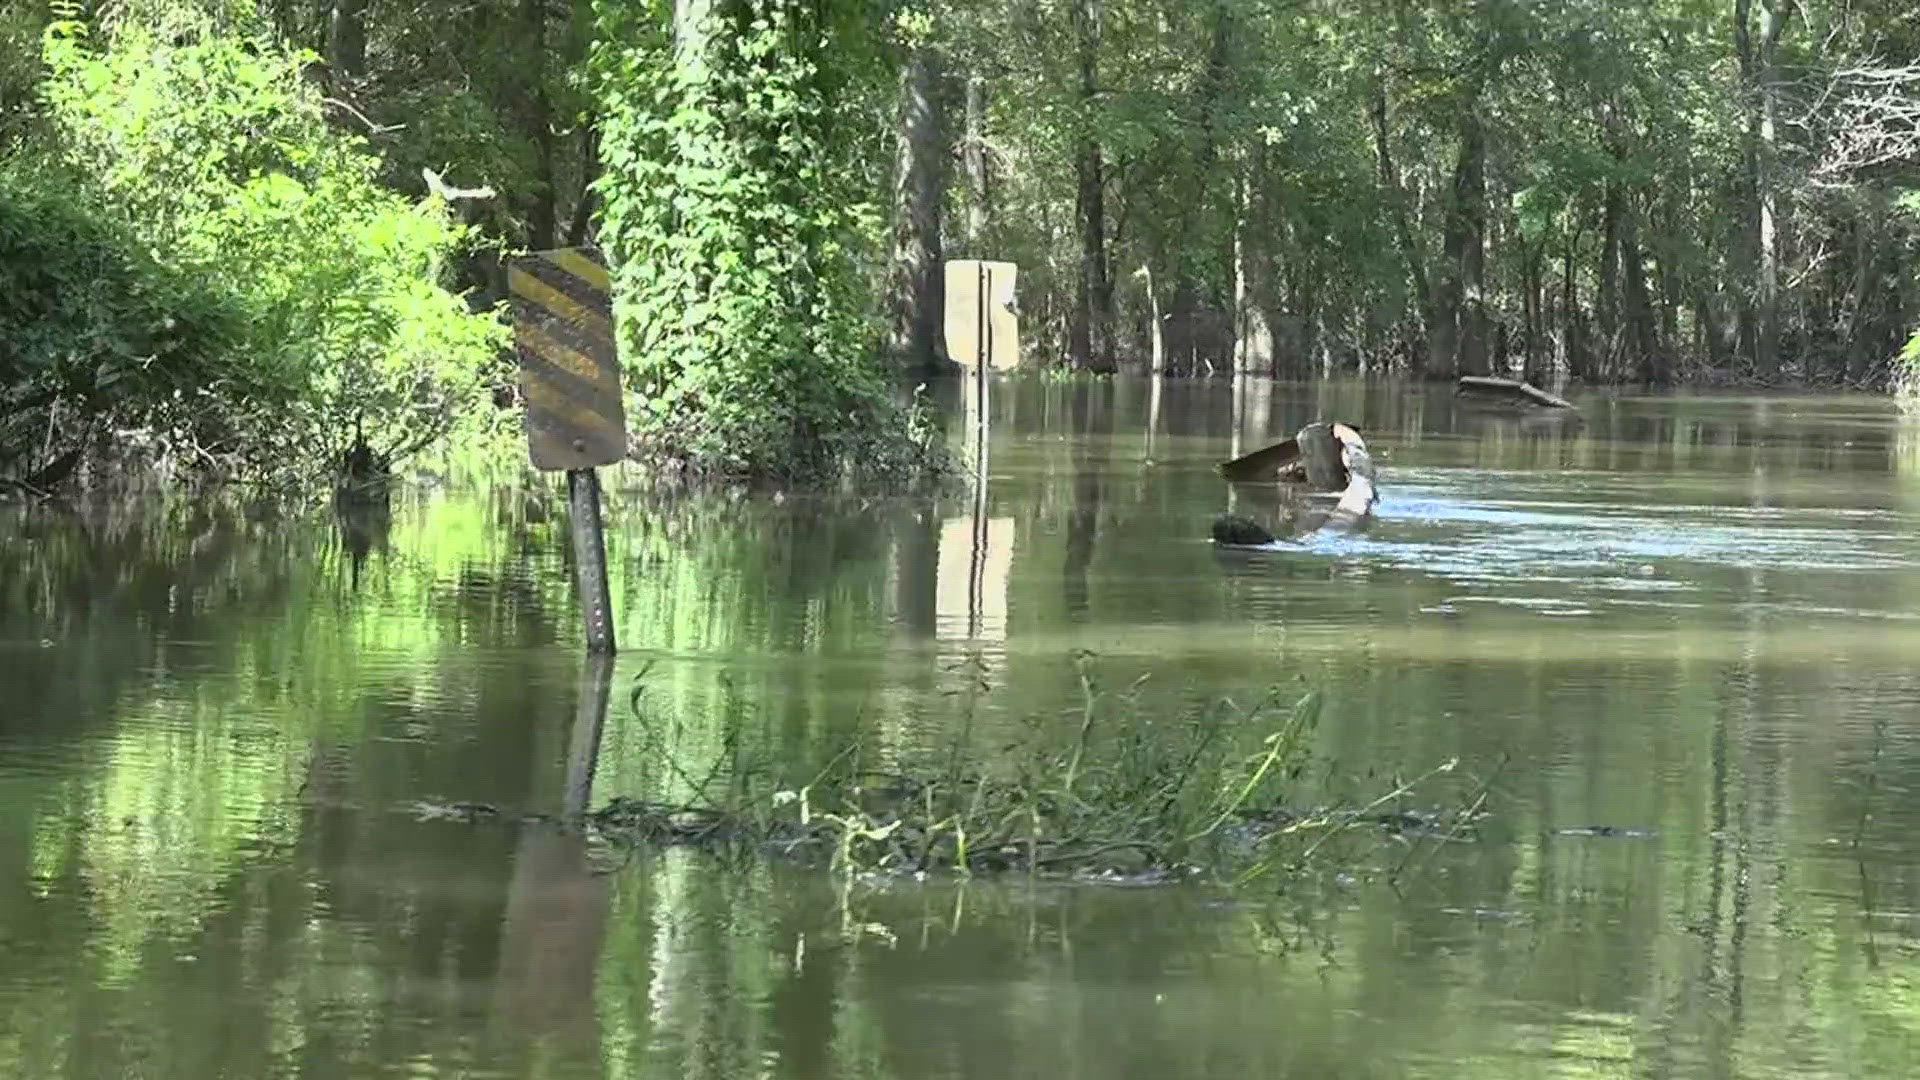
x,y
570,378
982,332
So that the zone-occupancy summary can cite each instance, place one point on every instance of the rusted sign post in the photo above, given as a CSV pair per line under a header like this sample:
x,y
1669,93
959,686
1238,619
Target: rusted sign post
x,y
570,378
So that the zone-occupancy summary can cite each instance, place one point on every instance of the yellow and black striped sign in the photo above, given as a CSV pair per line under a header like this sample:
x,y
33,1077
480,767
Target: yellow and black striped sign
x,y
569,373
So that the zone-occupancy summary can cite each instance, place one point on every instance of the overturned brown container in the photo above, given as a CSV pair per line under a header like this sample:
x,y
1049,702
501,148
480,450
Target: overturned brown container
x,y
1322,457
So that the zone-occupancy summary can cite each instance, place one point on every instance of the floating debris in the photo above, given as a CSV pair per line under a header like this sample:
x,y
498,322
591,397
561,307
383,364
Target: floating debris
x,y
1603,830
1120,797
1322,457
1509,390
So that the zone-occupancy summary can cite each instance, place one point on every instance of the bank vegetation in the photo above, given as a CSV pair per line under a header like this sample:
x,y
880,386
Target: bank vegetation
x,y
248,236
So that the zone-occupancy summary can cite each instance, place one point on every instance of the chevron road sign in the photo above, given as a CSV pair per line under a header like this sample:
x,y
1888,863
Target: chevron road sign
x,y
563,331
569,375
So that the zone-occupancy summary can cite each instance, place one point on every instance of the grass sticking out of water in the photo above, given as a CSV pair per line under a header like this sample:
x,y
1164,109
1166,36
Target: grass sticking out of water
x,y
1117,793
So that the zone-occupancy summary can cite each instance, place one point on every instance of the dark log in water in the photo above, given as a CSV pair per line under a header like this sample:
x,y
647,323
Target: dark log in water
x,y
1237,531
1513,390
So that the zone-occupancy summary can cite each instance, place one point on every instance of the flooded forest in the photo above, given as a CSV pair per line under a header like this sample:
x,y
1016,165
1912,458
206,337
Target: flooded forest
x,y
1410,570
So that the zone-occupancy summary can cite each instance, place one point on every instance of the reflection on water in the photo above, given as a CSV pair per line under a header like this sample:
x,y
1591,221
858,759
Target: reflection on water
x,y
1689,621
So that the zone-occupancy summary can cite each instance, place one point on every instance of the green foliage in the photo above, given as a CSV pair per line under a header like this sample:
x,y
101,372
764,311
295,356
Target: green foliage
x,y
100,335
214,157
20,27
480,96
1242,163
736,217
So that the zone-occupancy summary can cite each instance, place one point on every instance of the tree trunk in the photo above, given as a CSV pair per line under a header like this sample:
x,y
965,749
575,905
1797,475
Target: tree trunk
x,y
973,160
1854,321
1531,303
918,291
1767,354
692,30
543,213
1402,221
1090,344
1761,321
1467,251
1155,333
1252,337
1670,284
1607,304
347,39
1642,336
582,223
1572,348
1708,333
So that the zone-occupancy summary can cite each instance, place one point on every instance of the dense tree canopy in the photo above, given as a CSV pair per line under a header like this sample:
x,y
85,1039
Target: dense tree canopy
x,y
1654,190
1650,190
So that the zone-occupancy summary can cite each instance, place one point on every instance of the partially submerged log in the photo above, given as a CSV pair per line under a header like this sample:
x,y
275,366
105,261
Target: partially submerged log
x,y
1236,531
1513,390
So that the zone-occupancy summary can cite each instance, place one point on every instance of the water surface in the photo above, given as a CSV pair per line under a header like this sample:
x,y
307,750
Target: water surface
x,y
1691,619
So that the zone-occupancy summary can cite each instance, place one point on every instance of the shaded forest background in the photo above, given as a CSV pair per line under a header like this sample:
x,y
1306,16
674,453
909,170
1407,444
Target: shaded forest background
x,y
1656,191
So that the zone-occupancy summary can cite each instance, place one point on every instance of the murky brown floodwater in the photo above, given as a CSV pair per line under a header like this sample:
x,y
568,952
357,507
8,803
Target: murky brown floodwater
x,y
1697,618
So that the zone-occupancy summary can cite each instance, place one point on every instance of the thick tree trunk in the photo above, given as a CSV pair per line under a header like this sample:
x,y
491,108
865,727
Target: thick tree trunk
x,y
1855,322
1214,199
1252,337
347,39
1533,305
918,291
692,29
1607,303
1571,355
1469,246
543,210
1671,290
973,160
583,207
1091,336
1757,47
1396,197
1643,339
1461,346
1090,344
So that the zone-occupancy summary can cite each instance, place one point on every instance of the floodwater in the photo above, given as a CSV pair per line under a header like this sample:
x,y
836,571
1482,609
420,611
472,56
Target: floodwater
x,y
1678,637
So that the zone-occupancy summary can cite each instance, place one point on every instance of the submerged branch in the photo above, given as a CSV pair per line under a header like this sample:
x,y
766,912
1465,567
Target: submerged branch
x,y
1114,795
